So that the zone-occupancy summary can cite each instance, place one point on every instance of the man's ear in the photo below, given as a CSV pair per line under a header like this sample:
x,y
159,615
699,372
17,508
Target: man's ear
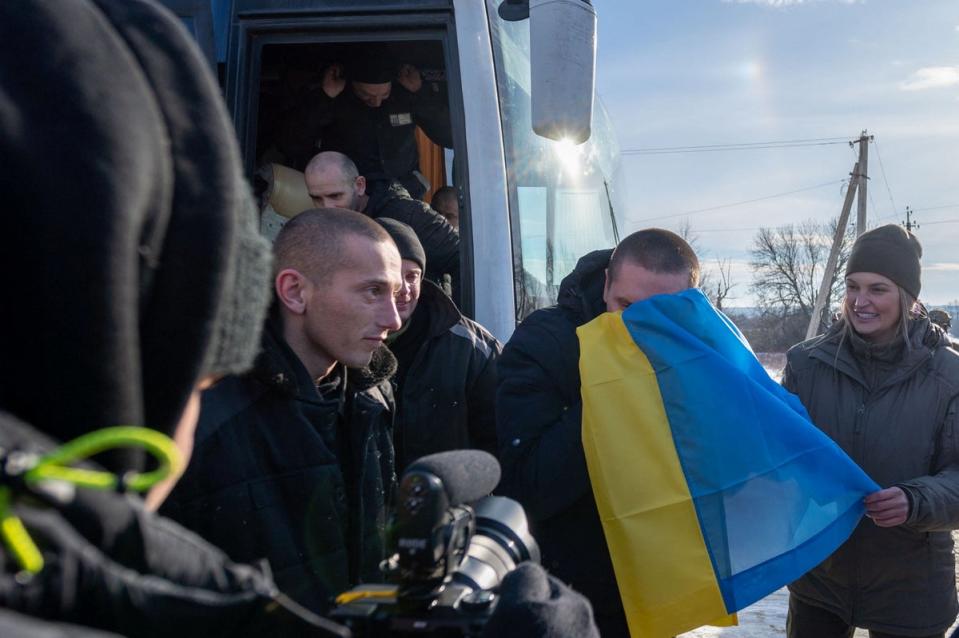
x,y
293,290
359,185
606,284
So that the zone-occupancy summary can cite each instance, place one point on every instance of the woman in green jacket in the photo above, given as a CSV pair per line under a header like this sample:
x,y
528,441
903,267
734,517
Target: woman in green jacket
x,y
883,383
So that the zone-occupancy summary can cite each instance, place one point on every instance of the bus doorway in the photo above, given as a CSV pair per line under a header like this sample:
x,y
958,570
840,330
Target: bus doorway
x,y
380,103
383,98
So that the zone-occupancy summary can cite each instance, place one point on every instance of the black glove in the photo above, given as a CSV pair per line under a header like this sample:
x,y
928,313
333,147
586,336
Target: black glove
x,y
534,604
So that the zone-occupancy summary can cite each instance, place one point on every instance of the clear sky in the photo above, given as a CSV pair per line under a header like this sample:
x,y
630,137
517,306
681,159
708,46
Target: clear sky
x,y
679,73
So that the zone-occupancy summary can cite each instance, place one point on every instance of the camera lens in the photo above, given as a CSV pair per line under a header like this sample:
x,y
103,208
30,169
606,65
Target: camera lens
x,y
501,541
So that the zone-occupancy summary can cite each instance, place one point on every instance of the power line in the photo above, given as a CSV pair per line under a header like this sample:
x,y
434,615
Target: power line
x,y
872,202
741,146
752,228
916,210
882,169
725,230
748,201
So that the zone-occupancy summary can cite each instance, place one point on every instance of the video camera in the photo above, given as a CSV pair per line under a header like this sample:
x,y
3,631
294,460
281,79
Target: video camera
x,y
454,545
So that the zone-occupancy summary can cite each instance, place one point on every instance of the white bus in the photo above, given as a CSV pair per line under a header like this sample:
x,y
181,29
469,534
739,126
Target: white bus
x,y
530,205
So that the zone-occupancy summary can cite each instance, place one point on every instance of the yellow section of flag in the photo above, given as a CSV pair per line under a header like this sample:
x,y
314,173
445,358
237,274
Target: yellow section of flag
x,y
662,566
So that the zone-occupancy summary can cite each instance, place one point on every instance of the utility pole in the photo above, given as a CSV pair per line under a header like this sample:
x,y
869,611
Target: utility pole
x,y
909,224
825,287
864,139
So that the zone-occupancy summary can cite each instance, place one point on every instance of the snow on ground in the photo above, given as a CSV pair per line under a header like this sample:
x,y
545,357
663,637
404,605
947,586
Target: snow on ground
x,y
766,619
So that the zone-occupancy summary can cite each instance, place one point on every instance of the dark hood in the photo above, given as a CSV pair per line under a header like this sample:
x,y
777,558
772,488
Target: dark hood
x,y
128,222
581,291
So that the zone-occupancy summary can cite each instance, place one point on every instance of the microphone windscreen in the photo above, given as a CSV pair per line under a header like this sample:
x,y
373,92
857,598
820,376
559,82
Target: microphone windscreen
x,y
467,475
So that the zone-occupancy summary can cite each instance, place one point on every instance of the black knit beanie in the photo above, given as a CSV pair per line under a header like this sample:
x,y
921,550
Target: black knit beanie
x,y
405,239
890,251
131,255
371,65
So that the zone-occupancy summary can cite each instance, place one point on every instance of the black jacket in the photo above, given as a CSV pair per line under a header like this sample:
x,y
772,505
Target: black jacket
x,y
539,425
280,472
440,241
380,141
446,399
110,565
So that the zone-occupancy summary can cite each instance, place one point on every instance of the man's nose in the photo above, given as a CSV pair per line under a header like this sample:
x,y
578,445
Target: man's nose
x,y
390,318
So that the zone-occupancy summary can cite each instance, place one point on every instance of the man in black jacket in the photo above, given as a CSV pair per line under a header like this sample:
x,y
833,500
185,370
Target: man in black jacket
x,y
369,110
294,461
446,375
138,276
539,409
333,181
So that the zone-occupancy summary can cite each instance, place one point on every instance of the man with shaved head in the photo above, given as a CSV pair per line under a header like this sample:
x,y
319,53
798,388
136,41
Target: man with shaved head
x,y
539,409
294,462
333,180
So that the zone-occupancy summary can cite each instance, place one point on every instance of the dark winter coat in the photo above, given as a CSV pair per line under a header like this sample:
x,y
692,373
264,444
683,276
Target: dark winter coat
x,y
896,416
441,242
112,566
446,399
271,476
539,426
144,244
381,141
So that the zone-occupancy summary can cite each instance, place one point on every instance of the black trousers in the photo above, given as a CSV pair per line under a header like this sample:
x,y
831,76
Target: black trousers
x,y
809,621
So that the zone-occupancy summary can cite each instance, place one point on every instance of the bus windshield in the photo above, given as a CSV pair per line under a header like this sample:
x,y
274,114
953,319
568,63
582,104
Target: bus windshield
x,y
561,196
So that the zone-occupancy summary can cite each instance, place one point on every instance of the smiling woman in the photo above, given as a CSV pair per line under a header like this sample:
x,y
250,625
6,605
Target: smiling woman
x,y
881,384
875,306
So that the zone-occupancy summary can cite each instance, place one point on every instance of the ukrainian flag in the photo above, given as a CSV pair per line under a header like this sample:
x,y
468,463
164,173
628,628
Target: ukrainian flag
x,y
713,485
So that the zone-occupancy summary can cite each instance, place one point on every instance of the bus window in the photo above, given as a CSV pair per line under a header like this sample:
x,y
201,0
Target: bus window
x,y
560,193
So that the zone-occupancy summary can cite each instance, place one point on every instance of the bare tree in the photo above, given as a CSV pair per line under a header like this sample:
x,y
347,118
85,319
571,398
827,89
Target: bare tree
x,y
686,231
718,292
788,264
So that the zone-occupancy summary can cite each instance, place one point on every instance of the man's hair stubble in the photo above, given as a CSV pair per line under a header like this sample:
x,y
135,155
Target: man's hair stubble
x,y
312,243
656,250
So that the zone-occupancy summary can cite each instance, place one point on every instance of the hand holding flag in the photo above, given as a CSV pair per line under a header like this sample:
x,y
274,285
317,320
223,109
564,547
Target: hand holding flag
x,y
713,485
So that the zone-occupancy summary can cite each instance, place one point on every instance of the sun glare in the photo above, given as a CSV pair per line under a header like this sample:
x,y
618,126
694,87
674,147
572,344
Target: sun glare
x,y
569,154
751,70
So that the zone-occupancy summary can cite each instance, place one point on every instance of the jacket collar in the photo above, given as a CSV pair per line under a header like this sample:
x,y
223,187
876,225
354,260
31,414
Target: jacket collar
x,y
382,367
835,352
279,367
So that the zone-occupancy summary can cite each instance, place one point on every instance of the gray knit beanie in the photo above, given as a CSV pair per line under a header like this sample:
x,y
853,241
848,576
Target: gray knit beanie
x,y
245,296
890,251
405,239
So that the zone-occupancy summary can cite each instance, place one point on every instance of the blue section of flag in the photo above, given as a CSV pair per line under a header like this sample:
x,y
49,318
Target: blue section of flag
x,y
774,495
